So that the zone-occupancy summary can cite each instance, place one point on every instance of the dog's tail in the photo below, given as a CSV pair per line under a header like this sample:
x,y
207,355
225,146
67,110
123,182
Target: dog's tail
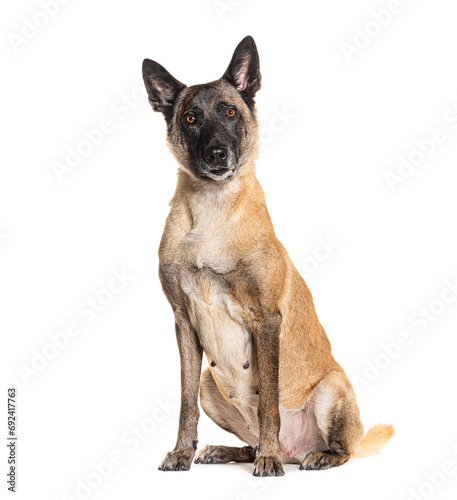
x,y
375,438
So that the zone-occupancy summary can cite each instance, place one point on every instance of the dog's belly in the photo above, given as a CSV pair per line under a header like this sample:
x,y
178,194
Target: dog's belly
x,y
225,339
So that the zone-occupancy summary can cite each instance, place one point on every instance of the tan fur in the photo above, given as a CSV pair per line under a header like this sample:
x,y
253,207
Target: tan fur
x,y
375,438
214,229
231,281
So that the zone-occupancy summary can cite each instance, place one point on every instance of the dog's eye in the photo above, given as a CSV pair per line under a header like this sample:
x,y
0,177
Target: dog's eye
x,y
231,112
190,119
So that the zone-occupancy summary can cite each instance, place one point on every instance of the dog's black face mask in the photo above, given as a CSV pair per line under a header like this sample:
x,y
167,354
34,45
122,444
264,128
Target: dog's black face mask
x,y
211,128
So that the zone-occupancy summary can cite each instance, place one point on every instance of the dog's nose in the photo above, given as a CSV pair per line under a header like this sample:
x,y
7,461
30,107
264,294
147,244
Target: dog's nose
x,y
216,156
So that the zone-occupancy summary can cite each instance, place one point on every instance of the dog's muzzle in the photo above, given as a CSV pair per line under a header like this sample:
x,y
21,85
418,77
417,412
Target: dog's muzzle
x,y
217,163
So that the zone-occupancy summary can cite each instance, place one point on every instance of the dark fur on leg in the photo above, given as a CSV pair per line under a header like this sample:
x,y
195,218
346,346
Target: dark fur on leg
x,y
224,454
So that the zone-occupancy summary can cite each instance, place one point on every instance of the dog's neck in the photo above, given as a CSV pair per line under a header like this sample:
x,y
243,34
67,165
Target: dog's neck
x,y
214,203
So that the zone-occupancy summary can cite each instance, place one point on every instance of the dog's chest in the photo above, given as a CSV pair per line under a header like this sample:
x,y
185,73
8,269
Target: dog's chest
x,y
226,340
205,254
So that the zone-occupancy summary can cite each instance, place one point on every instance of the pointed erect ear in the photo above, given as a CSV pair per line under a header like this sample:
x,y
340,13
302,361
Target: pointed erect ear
x,y
161,86
244,69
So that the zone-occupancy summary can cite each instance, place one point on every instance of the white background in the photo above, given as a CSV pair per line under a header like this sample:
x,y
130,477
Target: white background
x,y
323,171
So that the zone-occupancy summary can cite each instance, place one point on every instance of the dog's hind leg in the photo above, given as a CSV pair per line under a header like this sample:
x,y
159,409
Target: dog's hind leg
x,y
223,454
228,417
337,415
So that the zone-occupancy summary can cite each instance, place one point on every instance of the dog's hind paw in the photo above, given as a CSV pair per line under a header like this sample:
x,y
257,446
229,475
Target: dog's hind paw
x,y
212,455
224,454
322,460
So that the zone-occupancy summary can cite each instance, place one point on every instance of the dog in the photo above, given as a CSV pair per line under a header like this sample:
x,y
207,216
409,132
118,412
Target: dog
x,y
237,297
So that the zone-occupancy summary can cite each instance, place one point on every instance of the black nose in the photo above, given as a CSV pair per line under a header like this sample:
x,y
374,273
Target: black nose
x,y
216,157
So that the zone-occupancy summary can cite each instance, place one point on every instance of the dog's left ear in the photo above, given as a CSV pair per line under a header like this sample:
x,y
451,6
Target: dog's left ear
x,y
244,69
162,87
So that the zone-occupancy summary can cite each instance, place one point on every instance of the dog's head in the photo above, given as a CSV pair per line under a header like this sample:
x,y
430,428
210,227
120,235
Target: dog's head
x,y
212,128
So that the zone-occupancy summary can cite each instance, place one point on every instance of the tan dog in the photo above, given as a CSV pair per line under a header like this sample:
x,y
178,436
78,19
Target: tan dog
x,y
237,296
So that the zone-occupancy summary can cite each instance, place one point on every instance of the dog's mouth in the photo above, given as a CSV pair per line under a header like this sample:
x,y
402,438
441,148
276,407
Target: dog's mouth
x,y
221,173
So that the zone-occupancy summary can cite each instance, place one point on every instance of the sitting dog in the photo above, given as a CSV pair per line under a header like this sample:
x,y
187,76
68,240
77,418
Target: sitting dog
x,y
237,297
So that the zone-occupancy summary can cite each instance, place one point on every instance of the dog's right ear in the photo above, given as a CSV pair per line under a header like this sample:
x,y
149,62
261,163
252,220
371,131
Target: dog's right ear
x,y
161,86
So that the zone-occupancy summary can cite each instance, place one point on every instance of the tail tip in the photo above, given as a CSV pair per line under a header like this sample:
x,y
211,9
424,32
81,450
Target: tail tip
x,y
375,438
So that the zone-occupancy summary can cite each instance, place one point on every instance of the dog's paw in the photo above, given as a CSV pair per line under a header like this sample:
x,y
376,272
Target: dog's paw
x,y
212,455
316,461
268,466
177,460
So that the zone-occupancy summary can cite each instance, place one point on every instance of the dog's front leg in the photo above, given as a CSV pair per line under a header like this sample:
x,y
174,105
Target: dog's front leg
x,y
190,352
268,461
